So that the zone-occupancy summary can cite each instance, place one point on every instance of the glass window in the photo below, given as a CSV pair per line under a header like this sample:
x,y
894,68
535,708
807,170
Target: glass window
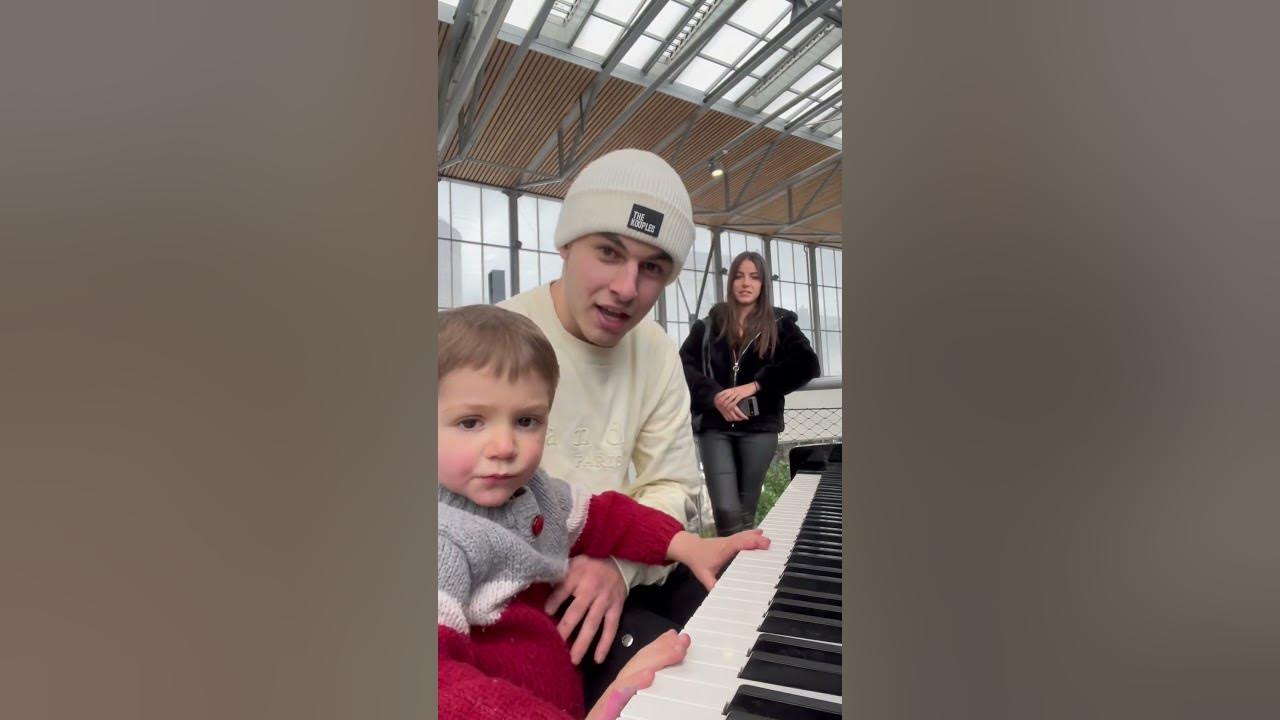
x,y
529,277
551,266
469,289
782,260
801,263
497,259
527,210
548,216
496,218
444,274
465,211
442,209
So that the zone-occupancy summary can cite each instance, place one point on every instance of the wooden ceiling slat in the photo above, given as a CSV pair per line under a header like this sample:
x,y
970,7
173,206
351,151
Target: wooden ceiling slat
x,y
545,89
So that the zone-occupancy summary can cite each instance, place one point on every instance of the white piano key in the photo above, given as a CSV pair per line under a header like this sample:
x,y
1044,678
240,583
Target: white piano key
x,y
716,639
650,707
726,626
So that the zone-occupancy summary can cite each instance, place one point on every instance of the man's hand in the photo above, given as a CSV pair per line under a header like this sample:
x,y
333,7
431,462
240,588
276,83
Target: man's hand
x,y
727,400
598,591
706,556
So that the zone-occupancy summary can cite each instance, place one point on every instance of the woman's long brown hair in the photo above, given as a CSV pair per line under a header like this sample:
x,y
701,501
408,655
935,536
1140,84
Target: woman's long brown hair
x,y
759,319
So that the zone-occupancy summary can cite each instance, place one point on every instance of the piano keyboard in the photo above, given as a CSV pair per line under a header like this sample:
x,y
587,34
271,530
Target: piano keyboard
x,y
766,641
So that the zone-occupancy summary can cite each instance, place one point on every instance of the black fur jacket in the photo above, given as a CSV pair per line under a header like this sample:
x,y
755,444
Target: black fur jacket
x,y
793,364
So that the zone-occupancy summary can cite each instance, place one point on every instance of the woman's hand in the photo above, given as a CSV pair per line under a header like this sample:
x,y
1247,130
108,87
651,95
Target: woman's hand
x,y
706,556
668,649
727,401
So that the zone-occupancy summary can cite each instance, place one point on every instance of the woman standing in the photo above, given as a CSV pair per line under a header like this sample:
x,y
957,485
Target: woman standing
x,y
739,364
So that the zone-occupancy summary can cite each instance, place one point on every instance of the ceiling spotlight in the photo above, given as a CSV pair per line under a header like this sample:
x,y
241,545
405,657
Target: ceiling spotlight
x,y
716,170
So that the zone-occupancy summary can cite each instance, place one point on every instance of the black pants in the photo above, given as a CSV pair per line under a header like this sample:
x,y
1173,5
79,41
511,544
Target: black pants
x,y
735,464
650,611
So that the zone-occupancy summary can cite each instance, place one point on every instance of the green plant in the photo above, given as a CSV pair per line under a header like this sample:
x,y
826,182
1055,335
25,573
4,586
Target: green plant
x,y
775,481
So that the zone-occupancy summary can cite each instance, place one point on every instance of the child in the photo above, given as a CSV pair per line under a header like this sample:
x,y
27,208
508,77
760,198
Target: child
x,y
507,531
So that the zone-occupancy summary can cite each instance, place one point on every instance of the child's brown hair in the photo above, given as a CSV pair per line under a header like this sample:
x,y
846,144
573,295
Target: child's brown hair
x,y
486,337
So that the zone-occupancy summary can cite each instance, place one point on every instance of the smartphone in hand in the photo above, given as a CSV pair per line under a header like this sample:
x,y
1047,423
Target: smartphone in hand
x,y
749,407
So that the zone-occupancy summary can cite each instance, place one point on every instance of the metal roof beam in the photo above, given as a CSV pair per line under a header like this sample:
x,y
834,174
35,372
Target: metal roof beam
x,y
771,87
777,189
714,21
742,136
586,101
470,129
767,150
473,36
743,70
568,32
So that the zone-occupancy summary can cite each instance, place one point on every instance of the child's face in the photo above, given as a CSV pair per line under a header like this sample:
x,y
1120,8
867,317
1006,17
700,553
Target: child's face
x,y
491,433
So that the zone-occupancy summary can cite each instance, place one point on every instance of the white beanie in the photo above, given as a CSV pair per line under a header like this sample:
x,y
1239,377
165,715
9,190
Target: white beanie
x,y
633,193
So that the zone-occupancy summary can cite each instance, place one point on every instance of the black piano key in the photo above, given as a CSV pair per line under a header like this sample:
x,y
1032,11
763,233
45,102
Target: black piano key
x,y
812,558
744,715
771,704
790,624
825,571
808,581
794,662
825,598
792,672
833,538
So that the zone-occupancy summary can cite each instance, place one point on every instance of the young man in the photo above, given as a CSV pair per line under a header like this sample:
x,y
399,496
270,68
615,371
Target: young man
x,y
625,229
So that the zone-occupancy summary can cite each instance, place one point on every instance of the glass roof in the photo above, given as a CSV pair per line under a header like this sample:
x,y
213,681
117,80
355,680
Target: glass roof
x,y
795,69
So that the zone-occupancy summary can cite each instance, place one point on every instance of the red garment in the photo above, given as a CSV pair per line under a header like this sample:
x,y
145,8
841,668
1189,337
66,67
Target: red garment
x,y
519,668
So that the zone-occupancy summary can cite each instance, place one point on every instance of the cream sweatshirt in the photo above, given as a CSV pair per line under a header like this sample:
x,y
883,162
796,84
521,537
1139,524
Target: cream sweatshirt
x,y
615,406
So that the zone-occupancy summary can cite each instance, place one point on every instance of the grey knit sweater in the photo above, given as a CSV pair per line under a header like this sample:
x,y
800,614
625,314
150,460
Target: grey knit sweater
x,y
487,556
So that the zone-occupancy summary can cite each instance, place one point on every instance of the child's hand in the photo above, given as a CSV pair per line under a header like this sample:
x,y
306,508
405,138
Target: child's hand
x,y
705,557
668,649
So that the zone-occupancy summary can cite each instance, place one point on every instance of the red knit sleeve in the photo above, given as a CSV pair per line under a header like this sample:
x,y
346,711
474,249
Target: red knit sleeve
x,y
468,694
620,527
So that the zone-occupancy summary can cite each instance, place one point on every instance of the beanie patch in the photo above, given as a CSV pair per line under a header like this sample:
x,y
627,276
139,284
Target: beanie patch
x,y
645,220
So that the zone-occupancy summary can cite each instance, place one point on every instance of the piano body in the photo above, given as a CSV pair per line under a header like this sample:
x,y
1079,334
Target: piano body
x,y
767,640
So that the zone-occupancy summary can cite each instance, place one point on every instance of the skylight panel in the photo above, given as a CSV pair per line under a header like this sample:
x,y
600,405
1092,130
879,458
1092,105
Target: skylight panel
x,y
741,87
778,56
522,12
700,74
640,52
620,10
782,99
833,60
759,15
807,81
727,45
832,90
597,36
803,34
667,19
800,108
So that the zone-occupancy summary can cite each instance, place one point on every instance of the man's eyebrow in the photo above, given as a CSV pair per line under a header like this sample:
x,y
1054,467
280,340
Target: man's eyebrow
x,y
657,253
